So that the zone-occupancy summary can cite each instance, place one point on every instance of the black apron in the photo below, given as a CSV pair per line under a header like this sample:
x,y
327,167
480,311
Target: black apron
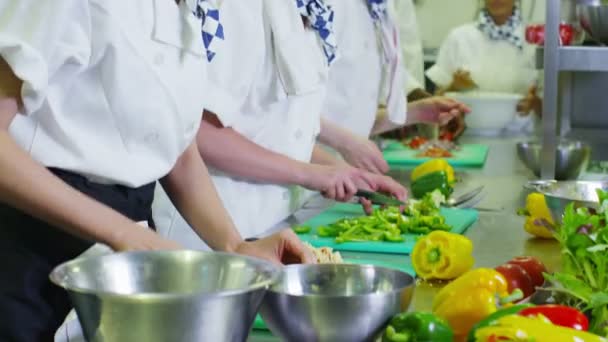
x,y
31,307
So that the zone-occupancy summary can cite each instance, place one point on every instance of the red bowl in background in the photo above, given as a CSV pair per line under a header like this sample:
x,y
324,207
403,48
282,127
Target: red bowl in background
x,y
568,34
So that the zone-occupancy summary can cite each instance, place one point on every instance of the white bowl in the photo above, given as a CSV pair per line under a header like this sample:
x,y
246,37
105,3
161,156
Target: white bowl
x,y
491,112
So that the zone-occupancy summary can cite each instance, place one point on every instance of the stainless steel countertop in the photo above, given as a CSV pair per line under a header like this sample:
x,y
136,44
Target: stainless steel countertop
x,y
497,236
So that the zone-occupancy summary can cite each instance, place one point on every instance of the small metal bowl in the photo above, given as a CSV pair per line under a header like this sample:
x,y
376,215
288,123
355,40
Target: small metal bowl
x,y
177,296
593,17
335,303
559,194
571,158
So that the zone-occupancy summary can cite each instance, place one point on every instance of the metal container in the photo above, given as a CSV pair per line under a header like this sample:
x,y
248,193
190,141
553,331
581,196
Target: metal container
x,y
572,157
177,296
593,17
337,303
559,194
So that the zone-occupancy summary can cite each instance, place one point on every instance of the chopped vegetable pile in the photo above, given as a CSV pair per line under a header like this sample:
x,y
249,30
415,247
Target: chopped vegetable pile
x,y
419,217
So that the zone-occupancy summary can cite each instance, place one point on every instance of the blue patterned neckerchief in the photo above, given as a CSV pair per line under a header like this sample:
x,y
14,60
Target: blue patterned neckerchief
x,y
378,10
212,30
321,19
507,32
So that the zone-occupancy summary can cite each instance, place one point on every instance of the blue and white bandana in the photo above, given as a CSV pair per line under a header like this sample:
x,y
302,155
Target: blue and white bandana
x,y
507,32
321,19
212,30
378,9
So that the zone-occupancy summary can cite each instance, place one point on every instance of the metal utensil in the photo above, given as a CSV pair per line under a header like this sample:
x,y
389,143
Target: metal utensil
x,y
178,296
378,198
559,194
335,303
456,201
429,131
571,158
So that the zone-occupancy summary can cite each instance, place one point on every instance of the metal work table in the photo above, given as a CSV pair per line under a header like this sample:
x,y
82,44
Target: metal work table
x,y
497,236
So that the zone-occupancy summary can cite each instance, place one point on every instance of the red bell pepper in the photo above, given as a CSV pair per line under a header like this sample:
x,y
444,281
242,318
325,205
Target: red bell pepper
x,y
561,315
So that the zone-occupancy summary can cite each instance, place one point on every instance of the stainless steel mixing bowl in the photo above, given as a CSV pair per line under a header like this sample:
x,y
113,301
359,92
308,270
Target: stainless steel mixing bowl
x,y
166,296
593,17
336,303
572,157
559,194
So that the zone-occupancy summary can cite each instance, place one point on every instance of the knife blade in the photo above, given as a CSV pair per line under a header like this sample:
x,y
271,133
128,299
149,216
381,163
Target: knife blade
x,y
378,198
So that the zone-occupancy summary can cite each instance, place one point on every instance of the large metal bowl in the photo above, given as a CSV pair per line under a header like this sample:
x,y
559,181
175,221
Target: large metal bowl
x,y
177,296
335,303
572,157
559,194
593,17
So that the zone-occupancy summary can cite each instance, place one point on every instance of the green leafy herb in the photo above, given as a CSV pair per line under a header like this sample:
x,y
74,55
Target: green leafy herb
x,y
583,282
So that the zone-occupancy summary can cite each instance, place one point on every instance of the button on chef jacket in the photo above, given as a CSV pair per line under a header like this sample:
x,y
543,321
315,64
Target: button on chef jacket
x,y
355,82
114,99
250,91
494,65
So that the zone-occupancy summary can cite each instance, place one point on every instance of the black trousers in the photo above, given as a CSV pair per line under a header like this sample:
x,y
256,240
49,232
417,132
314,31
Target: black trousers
x,y
31,307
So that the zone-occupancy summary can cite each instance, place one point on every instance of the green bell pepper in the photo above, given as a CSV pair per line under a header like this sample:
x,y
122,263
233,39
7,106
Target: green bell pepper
x,y
430,182
417,327
494,317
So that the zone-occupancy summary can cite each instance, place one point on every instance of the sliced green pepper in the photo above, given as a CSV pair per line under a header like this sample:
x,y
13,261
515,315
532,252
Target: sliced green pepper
x,y
302,229
417,327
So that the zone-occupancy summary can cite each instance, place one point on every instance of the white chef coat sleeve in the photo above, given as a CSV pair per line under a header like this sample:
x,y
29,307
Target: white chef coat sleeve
x,y
448,61
42,41
411,45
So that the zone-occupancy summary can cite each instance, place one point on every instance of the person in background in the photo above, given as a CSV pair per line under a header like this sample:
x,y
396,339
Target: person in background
x,y
264,111
413,58
370,73
490,54
98,101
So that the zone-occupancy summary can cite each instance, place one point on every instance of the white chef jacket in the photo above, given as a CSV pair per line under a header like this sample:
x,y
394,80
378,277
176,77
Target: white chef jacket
x,y
355,78
113,90
494,65
252,96
411,45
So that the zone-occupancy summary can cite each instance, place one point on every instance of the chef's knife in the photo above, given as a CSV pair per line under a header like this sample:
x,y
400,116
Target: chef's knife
x,y
378,198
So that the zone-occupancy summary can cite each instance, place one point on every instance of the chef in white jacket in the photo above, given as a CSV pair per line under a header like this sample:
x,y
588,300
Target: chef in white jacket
x,y
489,54
263,116
370,73
102,99
411,44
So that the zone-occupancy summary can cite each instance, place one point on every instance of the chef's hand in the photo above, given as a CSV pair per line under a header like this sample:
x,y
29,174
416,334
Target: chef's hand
x,y
364,154
530,103
383,184
283,247
437,109
461,81
337,182
138,238
454,128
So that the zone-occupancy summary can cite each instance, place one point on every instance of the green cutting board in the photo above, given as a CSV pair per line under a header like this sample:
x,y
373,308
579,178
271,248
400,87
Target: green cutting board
x,y
405,266
459,219
469,155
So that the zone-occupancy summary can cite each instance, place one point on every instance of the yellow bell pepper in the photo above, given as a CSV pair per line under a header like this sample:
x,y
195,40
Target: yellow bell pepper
x,y
518,328
431,166
442,255
471,298
537,216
